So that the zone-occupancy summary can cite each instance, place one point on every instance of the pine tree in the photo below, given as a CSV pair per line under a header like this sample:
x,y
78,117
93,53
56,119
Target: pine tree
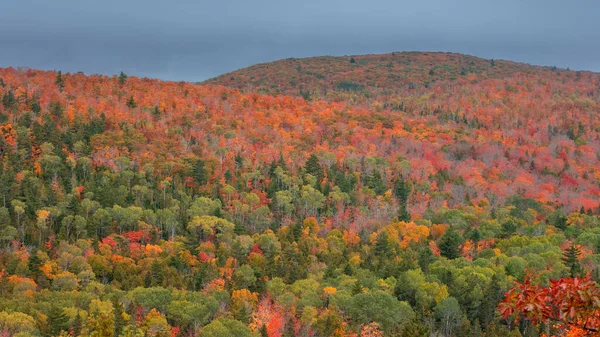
x,y
57,321
156,111
401,192
493,294
122,78
34,264
449,244
131,103
375,182
59,81
263,331
8,100
313,167
571,260
118,310
77,325
157,274
200,172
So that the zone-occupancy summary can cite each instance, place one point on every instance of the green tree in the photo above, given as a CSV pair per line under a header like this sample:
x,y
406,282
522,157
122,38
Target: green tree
x,y
56,321
118,311
379,307
493,294
313,167
449,244
131,103
122,78
225,327
449,314
415,328
77,324
571,259
401,191
199,173
196,311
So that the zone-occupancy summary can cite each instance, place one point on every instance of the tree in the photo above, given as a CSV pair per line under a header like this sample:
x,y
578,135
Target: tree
x,y
571,259
195,312
493,294
415,328
9,100
313,167
57,321
77,324
122,78
450,315
118,313
131,103
225,327
60,83
17,324
401,191
379,307
200,172
449,244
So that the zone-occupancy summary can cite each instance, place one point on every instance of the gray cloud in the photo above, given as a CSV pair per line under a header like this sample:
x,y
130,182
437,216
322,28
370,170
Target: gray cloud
x,y
196,40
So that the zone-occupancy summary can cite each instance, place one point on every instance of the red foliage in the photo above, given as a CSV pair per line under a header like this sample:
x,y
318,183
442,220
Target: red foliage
x,y
568,301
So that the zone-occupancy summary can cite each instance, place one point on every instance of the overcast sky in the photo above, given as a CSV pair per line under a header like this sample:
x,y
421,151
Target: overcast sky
x,y
195,40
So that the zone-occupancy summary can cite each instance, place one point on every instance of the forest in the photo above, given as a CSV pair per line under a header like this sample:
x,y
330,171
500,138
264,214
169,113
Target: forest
x,y
404,194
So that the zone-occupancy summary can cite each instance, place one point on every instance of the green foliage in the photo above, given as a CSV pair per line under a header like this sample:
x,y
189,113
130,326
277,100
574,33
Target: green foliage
x,y
379,307
349,86
56,321
571,260
449,244
122,78
224,327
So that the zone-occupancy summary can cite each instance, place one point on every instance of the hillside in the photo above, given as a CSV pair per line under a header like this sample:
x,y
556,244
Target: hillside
x,y
399,203
395,71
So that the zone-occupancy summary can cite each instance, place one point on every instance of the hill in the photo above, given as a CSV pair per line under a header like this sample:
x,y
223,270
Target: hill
x,y
396,71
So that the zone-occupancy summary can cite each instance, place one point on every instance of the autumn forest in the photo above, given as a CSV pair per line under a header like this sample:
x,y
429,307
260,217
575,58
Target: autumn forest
x,y
405,194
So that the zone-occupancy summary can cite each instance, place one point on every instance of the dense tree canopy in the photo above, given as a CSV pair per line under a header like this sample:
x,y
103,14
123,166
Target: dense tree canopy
x,y
398,195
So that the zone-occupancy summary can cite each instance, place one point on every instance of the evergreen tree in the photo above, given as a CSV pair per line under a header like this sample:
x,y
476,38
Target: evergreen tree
x,y
493,294
122,78
415,328
426,257
571,260
118,310
77,325
449,244
35,106
156,111
401,192
313,167
57,321
131,103
200,172
157,274
9,100
34,264
375,182
263,331
59,81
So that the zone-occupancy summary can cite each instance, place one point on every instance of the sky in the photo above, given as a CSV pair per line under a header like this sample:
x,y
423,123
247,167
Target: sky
x,y
185,40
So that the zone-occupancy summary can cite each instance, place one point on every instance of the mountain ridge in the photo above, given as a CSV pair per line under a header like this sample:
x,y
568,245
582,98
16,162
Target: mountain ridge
x,y
292,76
